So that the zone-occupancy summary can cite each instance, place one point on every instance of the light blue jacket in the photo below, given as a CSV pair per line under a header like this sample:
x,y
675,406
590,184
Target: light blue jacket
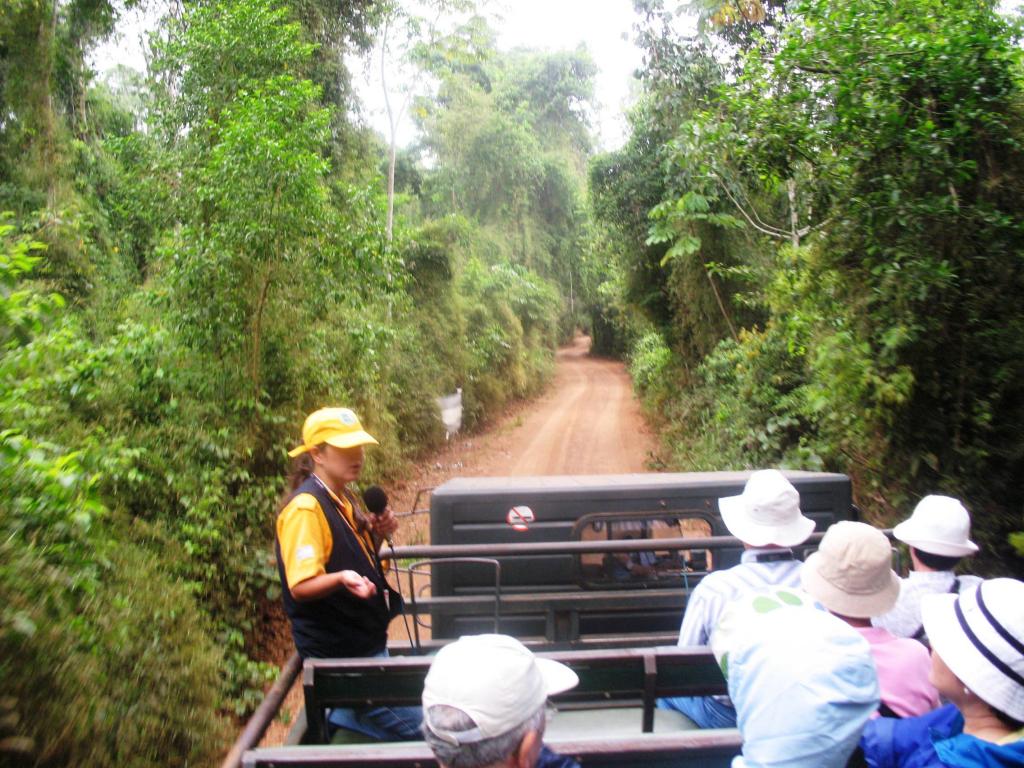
x,y
803,683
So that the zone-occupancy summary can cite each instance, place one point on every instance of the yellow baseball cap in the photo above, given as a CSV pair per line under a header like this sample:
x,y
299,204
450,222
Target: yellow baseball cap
x,y
339,427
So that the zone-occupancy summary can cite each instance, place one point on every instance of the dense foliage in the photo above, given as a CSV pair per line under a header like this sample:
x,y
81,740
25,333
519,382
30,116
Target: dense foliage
x,y
848,179
510,135
191,262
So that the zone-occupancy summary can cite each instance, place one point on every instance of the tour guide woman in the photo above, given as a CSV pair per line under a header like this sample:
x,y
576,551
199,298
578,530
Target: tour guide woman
x,y
333,584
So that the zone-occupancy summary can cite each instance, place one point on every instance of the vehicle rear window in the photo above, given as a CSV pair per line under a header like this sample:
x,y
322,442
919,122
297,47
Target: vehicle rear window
x,y
654,567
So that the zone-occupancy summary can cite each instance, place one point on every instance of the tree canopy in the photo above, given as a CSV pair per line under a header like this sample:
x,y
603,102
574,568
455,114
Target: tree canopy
x,y
847,177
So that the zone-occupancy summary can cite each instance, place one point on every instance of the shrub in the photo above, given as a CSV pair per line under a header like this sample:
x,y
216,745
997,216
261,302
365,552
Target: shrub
x,y
104,656
649,361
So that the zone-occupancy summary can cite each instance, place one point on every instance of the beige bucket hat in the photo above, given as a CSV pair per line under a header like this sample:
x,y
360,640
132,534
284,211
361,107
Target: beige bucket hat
x,y
851,573
939,525
767,512
979,634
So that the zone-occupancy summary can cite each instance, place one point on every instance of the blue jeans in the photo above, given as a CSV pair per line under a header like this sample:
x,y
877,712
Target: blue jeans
x,y
384,723
705,711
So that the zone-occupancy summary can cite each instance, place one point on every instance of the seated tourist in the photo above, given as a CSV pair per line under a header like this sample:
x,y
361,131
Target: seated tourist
x,y
623,566
938,534
977,641
766,518
850,575
802,681
484,703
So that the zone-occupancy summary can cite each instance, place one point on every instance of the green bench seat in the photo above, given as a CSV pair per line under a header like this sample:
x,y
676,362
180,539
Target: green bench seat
x,y
629,680
613,722
693,749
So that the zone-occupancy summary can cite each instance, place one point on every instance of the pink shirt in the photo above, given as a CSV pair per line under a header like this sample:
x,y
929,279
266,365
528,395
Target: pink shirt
x,y
903,666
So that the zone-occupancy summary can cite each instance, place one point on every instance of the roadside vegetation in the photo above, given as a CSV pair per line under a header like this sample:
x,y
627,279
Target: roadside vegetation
x,y
192,261
814,243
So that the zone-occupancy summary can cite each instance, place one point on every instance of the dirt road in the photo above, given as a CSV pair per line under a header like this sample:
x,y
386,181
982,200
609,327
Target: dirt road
x,y
587,422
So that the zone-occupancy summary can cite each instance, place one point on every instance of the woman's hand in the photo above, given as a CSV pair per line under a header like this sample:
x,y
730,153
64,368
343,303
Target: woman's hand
x,y
321,585
384,524
360,586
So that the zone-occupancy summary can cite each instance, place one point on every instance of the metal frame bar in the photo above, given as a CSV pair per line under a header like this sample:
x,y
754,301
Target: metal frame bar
x,y
522,549
413,567
264,714
683,748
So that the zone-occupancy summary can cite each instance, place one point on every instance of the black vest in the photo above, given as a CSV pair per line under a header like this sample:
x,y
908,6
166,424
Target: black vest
x,y
339,624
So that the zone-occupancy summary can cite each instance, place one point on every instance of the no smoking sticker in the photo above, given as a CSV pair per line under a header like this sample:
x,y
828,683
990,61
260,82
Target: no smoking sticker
x,y
520,518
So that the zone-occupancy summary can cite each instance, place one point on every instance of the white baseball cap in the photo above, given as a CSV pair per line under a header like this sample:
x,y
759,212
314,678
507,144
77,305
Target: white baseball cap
x,y
979,634
495,680
767,512
939,525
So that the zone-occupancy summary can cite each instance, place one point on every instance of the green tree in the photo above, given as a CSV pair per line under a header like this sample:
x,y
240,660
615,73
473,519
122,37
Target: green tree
x,y
511,136
43,83
870,154
262,196
94,639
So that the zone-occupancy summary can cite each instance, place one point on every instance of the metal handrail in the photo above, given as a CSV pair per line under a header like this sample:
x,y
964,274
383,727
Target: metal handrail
x,y
449,560
416,510
566,547
265,713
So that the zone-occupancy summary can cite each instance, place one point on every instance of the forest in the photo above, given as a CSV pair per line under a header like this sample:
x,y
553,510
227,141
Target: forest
x,y
808,250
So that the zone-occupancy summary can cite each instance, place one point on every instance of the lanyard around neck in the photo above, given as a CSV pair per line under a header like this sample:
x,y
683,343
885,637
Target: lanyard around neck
x,y
336,500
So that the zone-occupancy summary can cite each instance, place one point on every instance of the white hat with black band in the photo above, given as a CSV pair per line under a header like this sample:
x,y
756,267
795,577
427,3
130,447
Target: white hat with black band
x,y
980,636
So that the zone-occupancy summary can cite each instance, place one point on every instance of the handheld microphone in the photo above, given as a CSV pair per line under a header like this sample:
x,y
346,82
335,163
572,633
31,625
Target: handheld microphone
x,y
376,501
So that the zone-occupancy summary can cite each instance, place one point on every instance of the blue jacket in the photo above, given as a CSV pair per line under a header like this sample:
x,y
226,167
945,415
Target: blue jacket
x,y
935,740
549,759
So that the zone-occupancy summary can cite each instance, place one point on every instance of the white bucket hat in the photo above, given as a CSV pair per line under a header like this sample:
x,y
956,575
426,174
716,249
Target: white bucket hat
x,y
940,526
767,512
980,636
493,679
851,572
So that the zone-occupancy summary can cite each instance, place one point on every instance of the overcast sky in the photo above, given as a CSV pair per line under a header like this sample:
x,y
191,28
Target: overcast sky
x,y
605,26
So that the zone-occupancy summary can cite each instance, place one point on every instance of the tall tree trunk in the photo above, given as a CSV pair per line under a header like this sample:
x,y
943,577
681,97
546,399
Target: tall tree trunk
x,y
794,215
391,126
572,298
721,304
257,330
30,93
524,240
50,127
391,187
